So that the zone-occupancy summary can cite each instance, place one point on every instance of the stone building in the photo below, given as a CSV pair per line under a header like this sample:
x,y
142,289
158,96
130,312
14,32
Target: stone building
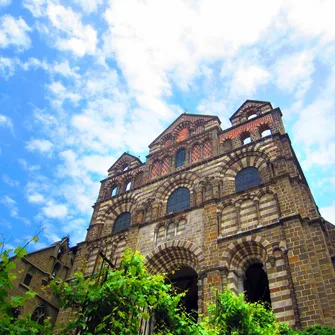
x,y
34,272
222,208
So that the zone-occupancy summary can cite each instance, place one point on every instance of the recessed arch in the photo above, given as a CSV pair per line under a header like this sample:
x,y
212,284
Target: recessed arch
x,y
173,254
240,252
122,222
247,178
179,200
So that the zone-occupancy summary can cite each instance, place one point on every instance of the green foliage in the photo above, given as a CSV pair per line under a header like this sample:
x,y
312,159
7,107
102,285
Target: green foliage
x,y
232,315
318,330
116,304
10,324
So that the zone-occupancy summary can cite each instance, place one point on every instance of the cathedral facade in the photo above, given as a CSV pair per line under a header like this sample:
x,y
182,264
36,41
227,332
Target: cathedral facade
x,y
216,208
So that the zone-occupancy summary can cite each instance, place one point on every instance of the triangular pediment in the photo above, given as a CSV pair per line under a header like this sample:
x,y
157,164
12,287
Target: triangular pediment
x,y
185,120
125,162
250,105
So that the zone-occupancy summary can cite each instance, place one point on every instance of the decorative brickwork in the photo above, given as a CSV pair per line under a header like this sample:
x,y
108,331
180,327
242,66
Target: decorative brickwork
x,y
273,224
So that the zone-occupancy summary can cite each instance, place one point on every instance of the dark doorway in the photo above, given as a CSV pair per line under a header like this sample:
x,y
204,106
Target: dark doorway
x,y
186,279
256,285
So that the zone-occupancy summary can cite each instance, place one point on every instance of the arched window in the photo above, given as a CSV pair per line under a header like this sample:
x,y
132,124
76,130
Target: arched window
x,y
40,314
114,191
122,222
125,167
60,253
246,138
247,178
266,132
180,158
128,186
252,116
256,284
55,269
178,200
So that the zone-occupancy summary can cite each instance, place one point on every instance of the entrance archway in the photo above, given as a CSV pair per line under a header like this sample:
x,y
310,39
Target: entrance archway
x,y
256,284
185,280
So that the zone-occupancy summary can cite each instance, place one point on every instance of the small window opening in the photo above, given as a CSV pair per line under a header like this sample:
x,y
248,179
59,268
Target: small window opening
x,y
247,140
16,312
125,167
27,279
128,186
256,285
39,314
55,270
252,116
266,132
60,253
180,158
114,190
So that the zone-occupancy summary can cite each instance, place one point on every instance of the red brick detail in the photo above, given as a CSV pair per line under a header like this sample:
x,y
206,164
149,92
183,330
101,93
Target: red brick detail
x,y
165,166
168,143
207,149
155,170
183,135
196,153
248,127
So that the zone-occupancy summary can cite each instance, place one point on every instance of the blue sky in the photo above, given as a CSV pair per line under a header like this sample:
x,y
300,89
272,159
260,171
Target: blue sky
x,y
83,81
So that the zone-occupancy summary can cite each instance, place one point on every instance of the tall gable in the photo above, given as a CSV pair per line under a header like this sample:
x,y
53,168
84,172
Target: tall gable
x,y
248,108
124,163
182,128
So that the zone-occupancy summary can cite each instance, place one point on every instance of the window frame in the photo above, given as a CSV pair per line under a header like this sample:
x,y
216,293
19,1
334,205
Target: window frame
x,y
247,178
121,223
180,160
175,204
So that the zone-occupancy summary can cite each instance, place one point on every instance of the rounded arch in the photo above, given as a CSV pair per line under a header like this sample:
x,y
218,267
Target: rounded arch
x,y
185,179
180,126
245,251
172,254
124,203
243,159
40,313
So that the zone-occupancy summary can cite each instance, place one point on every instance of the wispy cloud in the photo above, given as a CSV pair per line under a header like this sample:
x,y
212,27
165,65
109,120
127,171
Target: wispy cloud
x,y
14,32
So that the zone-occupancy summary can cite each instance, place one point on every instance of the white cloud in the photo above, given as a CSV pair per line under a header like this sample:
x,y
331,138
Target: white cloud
x,y
9,181
40,145
55,211
313,124
7,67
72,35
5,121
34,63
4,3
11,204
89,6
293,72
248,79
36,7
36,198
301,13
65,69
14,32
31,168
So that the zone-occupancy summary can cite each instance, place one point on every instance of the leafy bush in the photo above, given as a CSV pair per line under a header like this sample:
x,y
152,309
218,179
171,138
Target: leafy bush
x,y
10,322
318,330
